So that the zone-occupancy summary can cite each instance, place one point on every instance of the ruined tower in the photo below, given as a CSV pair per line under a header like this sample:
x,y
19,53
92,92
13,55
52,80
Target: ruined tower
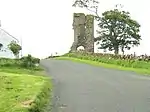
x,y
83,26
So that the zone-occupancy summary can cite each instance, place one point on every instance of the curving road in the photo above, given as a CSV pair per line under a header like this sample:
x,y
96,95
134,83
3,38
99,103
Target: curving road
x,y
85,88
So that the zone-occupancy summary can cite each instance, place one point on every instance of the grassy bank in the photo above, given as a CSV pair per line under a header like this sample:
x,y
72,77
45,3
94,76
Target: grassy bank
x,y
23,86
141,67
23,93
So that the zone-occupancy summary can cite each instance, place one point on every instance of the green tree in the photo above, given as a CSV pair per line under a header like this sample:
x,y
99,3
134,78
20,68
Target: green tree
x,y
15,48
118,30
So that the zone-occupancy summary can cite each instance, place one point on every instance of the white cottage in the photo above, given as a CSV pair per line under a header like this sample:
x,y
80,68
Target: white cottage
x,y
5,39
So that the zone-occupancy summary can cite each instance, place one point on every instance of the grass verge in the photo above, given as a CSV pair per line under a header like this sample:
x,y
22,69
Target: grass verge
x,y
112,66
23,92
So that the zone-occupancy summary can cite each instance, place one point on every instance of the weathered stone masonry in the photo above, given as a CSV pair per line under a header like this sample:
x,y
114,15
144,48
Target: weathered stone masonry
x,y
83,26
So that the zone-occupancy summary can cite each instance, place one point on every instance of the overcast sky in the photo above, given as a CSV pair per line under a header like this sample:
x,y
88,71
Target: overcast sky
x,y
45,26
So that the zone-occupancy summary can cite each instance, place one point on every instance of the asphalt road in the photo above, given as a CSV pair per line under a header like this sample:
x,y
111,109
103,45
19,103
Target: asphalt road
x,y
85,88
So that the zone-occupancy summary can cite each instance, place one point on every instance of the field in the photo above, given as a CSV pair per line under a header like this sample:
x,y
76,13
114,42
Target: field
x,y
126,62
24,87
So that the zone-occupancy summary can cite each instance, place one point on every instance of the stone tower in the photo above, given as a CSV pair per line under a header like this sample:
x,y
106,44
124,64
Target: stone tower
x,y
83,26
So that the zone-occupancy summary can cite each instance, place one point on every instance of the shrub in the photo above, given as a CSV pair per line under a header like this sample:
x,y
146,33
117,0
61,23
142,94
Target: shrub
x,y
5,62
28,62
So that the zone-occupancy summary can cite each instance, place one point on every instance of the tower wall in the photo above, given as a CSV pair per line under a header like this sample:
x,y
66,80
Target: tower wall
x,y
83,32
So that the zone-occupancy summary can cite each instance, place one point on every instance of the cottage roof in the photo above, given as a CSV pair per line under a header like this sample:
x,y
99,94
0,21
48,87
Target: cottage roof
x,y
9,35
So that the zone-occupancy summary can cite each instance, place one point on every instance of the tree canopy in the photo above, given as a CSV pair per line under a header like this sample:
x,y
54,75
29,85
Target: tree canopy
x,y
118,30
91,5
15,48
